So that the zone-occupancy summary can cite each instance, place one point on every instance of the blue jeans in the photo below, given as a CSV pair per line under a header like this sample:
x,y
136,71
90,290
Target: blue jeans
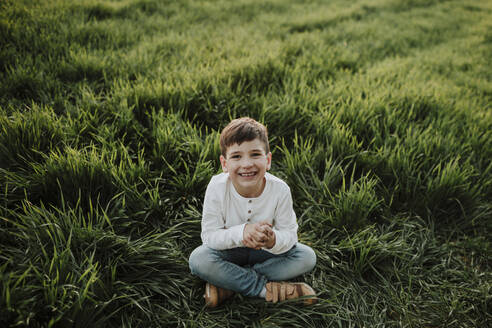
x,y
246,270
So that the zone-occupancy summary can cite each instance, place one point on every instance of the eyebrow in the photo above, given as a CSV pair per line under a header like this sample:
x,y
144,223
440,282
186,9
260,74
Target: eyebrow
x,y
251,151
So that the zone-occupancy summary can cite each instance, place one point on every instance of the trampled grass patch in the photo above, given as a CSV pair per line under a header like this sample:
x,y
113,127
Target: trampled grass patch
x,y
379,118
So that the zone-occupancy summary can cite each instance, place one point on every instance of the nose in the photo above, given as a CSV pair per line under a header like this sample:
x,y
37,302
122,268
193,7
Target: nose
x,y
246,162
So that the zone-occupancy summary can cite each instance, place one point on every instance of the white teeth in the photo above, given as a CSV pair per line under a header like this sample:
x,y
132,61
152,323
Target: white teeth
x,y
247,174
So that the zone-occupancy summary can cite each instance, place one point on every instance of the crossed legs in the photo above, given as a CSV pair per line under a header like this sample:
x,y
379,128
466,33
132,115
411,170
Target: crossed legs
x,y
245,270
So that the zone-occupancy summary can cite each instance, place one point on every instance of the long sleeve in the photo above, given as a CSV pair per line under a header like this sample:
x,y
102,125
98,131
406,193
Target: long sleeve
x,y
225,214
285,224
214,232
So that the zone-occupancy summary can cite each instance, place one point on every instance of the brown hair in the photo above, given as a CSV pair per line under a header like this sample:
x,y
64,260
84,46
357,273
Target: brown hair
x,y
240,130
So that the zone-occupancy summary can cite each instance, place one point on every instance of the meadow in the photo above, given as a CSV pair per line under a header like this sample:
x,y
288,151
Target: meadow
x,y
380,120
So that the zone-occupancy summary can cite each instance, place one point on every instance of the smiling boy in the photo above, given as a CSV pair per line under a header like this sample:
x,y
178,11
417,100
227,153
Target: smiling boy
x,y
249,228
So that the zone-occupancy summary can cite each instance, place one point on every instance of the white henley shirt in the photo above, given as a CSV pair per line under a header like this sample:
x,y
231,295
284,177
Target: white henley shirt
x,y
226,212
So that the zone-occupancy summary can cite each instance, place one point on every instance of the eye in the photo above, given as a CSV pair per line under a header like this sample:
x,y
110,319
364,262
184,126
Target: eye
x,y
235,157
256,154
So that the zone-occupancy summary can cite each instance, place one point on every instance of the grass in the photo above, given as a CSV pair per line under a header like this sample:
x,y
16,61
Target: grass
x,y
379,121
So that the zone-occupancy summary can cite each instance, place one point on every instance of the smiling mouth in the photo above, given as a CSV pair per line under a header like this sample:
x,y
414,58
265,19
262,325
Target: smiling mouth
x,y
249,174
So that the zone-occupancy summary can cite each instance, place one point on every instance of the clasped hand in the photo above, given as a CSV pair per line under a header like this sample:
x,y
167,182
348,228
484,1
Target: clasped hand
x,y
258,235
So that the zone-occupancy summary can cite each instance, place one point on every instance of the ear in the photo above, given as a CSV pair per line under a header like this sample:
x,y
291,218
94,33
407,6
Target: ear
x,y
223,162
269,160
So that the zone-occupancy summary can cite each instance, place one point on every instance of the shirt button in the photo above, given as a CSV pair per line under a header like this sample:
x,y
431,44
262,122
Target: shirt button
x,y
250,201
249,212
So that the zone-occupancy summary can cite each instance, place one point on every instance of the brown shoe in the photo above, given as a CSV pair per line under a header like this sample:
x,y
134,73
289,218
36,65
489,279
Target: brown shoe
x,y
281,291
215,295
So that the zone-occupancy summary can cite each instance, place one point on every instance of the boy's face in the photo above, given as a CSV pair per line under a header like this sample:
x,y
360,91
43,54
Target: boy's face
x,y
247,164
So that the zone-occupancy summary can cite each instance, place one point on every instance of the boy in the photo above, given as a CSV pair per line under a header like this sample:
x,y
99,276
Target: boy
x,y
249,228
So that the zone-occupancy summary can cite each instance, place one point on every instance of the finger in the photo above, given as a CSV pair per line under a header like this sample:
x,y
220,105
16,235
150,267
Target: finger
x,y
260,228
251,245
265,227
262,242
251,229
259,237
248,243
248,235
248,229
256,243
267,234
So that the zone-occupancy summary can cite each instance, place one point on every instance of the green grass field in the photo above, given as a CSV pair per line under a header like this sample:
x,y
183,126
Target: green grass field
x,y
380,120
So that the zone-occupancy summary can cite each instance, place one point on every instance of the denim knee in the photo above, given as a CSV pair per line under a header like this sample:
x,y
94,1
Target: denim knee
x,y
307,256
197,261
310,259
